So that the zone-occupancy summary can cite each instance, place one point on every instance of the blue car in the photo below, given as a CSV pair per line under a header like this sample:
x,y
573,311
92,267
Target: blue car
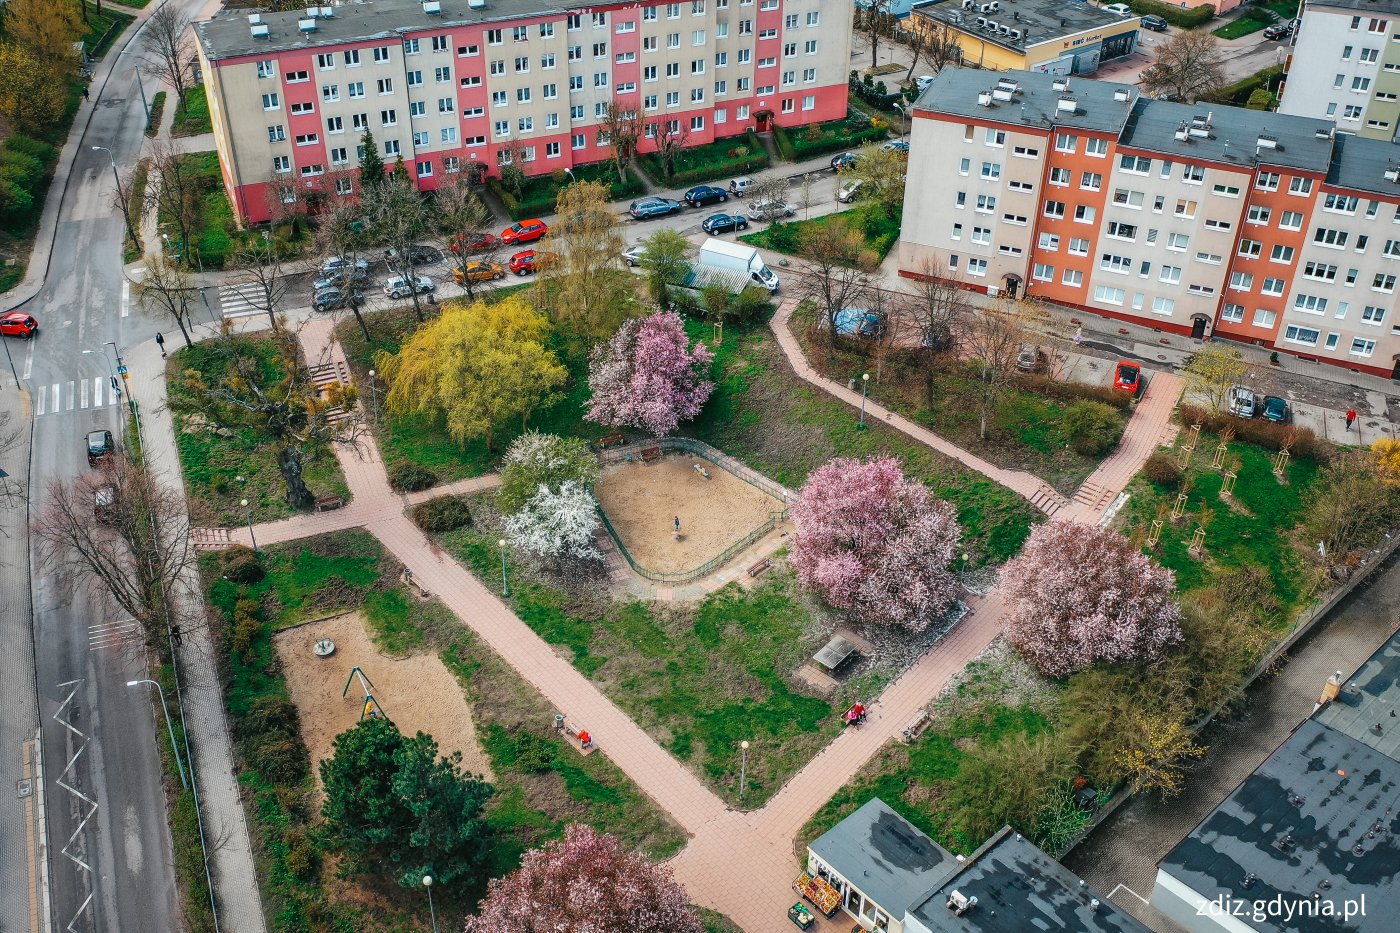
x,y
701,195
723,223
646,208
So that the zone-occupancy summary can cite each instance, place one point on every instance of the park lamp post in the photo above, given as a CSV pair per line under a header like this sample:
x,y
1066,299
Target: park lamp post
x,y
373,396
505,583
174,749
743,767
432,911
126,209
864,384
248,511
204,296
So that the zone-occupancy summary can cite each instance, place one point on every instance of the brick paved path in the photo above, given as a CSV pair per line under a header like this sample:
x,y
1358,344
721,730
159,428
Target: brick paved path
x,y
740,863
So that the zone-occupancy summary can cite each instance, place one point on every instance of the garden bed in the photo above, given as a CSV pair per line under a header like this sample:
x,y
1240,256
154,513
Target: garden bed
x,y
724,158
804,142
193,119
878,229
539,193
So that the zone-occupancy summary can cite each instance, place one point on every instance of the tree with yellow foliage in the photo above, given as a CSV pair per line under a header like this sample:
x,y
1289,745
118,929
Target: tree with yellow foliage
x,y
37,62
1155,750
582,283
476,367
1387,451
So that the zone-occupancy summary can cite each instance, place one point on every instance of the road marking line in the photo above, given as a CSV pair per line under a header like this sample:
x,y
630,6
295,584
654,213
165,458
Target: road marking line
x,y
71,396
40,398
126,297
29,359
57,399
96,391
83,401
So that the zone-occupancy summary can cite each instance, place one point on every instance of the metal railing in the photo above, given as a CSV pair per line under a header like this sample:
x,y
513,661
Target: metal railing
x,y
633,452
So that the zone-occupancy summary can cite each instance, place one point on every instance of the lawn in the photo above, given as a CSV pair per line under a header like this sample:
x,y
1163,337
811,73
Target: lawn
x,y
762,413
157,110
1250,22
213,460
877,227
193,118
540,785
539,192
803,142
724,158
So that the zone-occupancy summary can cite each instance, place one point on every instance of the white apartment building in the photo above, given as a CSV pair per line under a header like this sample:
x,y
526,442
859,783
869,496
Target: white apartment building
x,y
1346,66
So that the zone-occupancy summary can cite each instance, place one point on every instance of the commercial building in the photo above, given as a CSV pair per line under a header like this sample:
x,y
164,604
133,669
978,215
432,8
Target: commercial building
x,y
1194,219
1055,36
1346,66
1308,841
451,83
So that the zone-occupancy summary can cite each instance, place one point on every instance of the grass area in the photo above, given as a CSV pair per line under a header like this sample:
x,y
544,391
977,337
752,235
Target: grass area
x,y
132,251
188,854
762,413
213,460
877,227
1250,22
715,922
540,785
193,118
804,142
724,158
104,27
157,111
539,192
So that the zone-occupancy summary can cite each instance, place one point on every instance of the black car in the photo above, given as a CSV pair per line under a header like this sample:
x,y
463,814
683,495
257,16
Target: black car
x,y
701,195
646,208
1277,31
417,255
844,160
723,223
1154,23
100,447
328,299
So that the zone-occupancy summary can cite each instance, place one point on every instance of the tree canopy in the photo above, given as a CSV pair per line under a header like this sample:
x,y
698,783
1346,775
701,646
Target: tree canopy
x,y
648,376
536,460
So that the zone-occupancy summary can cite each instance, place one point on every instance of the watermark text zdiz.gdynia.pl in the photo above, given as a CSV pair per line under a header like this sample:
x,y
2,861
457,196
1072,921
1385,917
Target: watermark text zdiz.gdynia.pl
x,y
1282,908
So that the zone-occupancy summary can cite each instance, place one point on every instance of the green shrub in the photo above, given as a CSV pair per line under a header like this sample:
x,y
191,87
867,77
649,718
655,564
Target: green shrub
x,y
1093,428
443,514
302,857
819,138
269,715
410,477
1261,99
1073,391
30,146
1186,19
283,761
1302,441
540,192
1161,469
241,564
1240,91
708,162
534,754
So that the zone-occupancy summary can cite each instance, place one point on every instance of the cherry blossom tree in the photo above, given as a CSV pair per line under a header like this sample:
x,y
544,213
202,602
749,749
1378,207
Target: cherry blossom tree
x,y
1080,594
556,524
585,883
876,543
648,376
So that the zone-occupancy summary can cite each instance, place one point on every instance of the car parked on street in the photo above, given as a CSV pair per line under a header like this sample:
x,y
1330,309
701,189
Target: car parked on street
x,y
340,264
739,186
1118,9
100,447
849,190
633,254
523,262
723,223
526,231
329,299
896,145
844,160
647,208
339,278
481,243
417,255
398,287
1276,409
1154,23
1031,359
1127,377
770,210
19,324
701,195
1277,31
1243,403
923,81
475,271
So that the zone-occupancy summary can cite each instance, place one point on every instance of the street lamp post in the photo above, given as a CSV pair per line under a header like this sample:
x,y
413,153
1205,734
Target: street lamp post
x,y
428,883
505,583
743,766
204,296
175,749
126,208
373,396
864,384
248,511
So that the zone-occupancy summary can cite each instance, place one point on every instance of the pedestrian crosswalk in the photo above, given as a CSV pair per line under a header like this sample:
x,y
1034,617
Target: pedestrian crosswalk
x,y
241,300
58,397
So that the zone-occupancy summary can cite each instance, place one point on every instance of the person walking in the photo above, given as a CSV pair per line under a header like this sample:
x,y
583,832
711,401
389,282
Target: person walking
x,y
160,342
1351,416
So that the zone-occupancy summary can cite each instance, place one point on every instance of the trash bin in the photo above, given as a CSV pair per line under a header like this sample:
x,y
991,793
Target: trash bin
x,y
852,384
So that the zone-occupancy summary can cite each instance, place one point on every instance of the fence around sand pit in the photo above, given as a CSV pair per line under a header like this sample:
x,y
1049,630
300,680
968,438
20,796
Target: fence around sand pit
x,y
633,453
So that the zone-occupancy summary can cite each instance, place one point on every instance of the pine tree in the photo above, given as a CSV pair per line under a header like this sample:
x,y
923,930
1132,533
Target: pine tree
x,y
371,165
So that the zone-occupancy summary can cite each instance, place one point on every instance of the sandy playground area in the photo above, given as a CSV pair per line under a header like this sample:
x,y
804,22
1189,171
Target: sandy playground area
x,y
642,500
417,692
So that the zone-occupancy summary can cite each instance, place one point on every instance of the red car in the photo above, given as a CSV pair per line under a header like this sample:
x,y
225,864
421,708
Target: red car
x,y
527,231
1127,377
484,242
523,262
19,324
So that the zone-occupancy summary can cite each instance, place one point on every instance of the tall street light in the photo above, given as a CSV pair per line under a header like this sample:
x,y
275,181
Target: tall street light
x,y
428,883
204,296
126,208
743,766
248,511
864,384
175,749
505,583
373,397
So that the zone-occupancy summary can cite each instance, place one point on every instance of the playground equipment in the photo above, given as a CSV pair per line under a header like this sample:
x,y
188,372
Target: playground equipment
x,y
370,708
701,470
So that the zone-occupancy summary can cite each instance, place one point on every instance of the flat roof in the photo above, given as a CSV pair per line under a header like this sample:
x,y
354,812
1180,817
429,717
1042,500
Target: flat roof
x,y
1368,706
884,855
1232,134
1318,819
1361,163
1035,102
228,34
1360,6
1036,20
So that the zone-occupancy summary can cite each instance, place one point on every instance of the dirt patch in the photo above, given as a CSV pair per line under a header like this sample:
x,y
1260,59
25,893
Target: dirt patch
x,y
417,692
643,501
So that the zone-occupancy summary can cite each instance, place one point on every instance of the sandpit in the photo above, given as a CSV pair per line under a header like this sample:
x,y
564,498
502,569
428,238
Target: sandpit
x,y
417,692
643,500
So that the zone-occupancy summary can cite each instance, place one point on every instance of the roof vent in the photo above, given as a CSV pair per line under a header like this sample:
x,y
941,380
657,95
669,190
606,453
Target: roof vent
x,y
1392,174
432,6
1093,905
1003,29
985,98
1015,35
1067,104
1249,880
254,19
1120,95
1181,134
477,4
259,30
307,24
1001,93
981,22
1323,132
969,4
327,12
960,903
1268,142
1060,84
313,11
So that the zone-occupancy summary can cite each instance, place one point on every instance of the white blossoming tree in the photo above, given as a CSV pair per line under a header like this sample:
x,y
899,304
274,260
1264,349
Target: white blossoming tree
x,y
556,525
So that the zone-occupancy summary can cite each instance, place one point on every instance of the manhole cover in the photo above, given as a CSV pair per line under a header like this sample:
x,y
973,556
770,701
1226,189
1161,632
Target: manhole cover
x,y
24,788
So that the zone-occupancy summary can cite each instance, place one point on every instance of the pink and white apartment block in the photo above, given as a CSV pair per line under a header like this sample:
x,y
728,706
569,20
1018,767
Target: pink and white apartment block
x,y
449,84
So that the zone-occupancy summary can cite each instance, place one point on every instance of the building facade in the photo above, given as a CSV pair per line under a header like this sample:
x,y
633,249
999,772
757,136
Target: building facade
x,y
1054,36
1346,66
1260,227
448,84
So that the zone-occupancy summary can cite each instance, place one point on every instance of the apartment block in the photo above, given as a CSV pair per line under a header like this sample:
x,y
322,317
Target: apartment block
x,y
1346,66
1055,36
471,85
1260,227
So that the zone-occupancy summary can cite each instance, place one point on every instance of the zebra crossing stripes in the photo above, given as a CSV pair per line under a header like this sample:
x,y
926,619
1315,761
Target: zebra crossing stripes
x,y
241,300
58,397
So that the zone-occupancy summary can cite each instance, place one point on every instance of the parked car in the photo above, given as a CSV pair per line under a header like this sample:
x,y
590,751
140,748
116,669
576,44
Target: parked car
x,y
526,231
523,262
701,195
339,263
339,279
478,272
1118,9
923,81
739,186
1154,23
329,299
646,208
19,324
104,501
1243,402
1276,410
723,223
848,191
1277,31
417,255
633,254
398,287
1127,377
770,210
1032,359
479,244
856,322
100,447
896,145
844,160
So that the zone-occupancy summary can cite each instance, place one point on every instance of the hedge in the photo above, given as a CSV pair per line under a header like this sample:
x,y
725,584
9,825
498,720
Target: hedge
x,y
1239,92
718,159
1186,19
541,192
1257,431
1074,391
850,133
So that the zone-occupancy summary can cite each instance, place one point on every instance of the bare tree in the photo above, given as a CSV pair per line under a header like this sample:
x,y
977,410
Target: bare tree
x,y
173,188
623,128
937,310
341,234
169,38
134,549
1190,66
835,271
261,259
940,49
466,221
397,217
992,341
876,21
770,189
122,201
669,137
166,288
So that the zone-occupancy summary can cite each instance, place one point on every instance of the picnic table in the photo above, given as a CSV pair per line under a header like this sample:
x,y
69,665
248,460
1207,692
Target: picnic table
x,y
835,651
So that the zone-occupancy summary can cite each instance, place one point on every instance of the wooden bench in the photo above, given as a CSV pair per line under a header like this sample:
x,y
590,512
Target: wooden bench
x,y
760,566
326,503
610,440
651,453
916,725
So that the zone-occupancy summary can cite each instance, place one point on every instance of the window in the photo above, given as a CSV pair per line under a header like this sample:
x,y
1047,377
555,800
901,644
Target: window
x,y
499,98
1361,346
522,95
1241,281
1193,174
991,169
335,124
420,140
1271,286
697,95
789,49
1372,315
1259,215
276,134
1336,239
1232,314
410,47
1093,181
1127,197
304,107
1120,264
448,134
673,70
551,121
1210,259
1079,246
1163,305
1122,231
1361,242
1073,278
1383,283
1043,273
325,61
1310,304
352,58
1067,142
986,204
266,69
1178,241
1096,147
809,75
1049,242
1109,295
1300,186
1026,152
1341,203
673,98
501,127
814,18
1200,289
1226,191
468,51
1170,275
1263,317
577,141
1135,164
1360,85
600,79
1185,208
1291,220
1303,335
308,171
600,50
1249,248
269,102
623,27
526,124
391,147
1083,214
957,232
360,121
1267,181
977,267
385,85
809,102
388,118
297,77
1281,253
1060,176
982,235
381,54
1218,224
414,78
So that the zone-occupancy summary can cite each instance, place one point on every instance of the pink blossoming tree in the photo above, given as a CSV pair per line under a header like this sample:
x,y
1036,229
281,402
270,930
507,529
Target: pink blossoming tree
x,y
876,543
648,376
585,883
1080,594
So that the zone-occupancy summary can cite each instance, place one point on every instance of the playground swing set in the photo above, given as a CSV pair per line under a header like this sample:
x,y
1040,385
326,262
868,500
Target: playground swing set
x,y
370,708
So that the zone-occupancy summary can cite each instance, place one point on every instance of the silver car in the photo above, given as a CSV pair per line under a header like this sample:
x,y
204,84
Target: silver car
x,y
770,210
1244,403
397,286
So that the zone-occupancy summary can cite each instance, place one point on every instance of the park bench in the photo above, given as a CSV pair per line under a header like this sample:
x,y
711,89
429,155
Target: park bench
x,y
760,566
610,440
916,725
326,503
651,453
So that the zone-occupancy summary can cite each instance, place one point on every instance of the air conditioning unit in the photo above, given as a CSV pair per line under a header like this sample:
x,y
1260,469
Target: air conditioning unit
x,y
1392,174
1060,84
1015,35
327,12
1001,94
1182,135
1268,142
307,25
259,30
984,98
477,4
1121,94
1004,30
969,4
1067,104
432,6
313,11
254,19
981,22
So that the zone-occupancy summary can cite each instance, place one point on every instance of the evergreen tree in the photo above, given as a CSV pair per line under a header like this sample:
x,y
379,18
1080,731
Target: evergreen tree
x,y
371,165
